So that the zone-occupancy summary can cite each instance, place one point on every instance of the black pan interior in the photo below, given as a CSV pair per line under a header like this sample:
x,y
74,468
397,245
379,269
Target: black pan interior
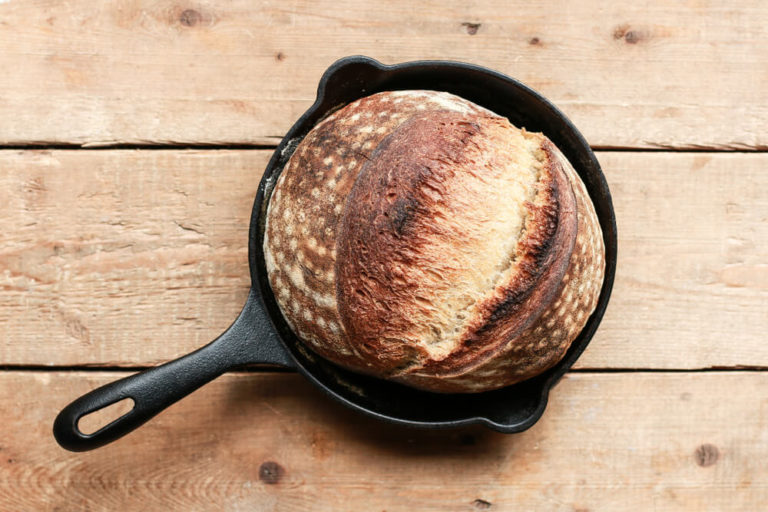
x,y
511,409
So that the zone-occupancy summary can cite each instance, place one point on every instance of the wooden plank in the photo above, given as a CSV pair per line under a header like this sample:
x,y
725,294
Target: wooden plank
x,y
692,281
650,441
121,257
649,74
134,257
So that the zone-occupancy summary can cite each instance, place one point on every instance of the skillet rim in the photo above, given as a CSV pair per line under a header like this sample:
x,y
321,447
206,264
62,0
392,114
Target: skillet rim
x,y
319,109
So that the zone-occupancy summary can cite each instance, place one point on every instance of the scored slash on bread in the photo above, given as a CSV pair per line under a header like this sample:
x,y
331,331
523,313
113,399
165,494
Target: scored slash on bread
x,y
416,236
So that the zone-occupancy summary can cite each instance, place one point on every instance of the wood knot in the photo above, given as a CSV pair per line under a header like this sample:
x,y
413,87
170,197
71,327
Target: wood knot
x,y
190,17
620,31
280,56
707,455
76,329
534,41
632,37
481,504
629,35
271,472
471,28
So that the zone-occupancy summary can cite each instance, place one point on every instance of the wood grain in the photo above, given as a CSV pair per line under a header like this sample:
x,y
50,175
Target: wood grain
x,y
649,74
692,280
261,442
134,257
121,257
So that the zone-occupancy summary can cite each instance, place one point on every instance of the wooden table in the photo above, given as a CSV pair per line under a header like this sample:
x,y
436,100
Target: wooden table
x,y
133,137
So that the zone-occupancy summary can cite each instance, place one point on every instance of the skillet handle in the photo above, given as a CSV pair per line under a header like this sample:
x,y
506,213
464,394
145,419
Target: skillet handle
x,y
250,339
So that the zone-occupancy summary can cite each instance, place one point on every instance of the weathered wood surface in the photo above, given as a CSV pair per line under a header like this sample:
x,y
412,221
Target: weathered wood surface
x,y
631,74
134,257
645,441
128,258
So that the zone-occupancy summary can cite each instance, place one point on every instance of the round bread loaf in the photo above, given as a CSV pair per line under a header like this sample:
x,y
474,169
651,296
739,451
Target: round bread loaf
x,y
418,237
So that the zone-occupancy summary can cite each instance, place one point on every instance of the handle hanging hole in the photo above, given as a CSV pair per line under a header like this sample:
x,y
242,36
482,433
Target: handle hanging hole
x,y
93,421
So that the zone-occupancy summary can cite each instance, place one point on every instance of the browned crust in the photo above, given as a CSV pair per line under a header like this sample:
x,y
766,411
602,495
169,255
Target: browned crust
x,y
306,205
337,242
388,221
547,339
542,258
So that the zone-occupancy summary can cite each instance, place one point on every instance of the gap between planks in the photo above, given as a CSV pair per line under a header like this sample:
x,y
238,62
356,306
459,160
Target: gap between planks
x,y
279,369
274,141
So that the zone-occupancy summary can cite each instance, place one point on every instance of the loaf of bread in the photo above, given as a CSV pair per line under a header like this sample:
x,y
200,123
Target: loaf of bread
x,y
418,237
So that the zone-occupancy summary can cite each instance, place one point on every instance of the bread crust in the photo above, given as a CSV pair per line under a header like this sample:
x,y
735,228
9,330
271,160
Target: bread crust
x,y
545,341
377,222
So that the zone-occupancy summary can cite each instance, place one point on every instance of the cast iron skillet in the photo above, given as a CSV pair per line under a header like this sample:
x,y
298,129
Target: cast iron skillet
x,y
261,335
